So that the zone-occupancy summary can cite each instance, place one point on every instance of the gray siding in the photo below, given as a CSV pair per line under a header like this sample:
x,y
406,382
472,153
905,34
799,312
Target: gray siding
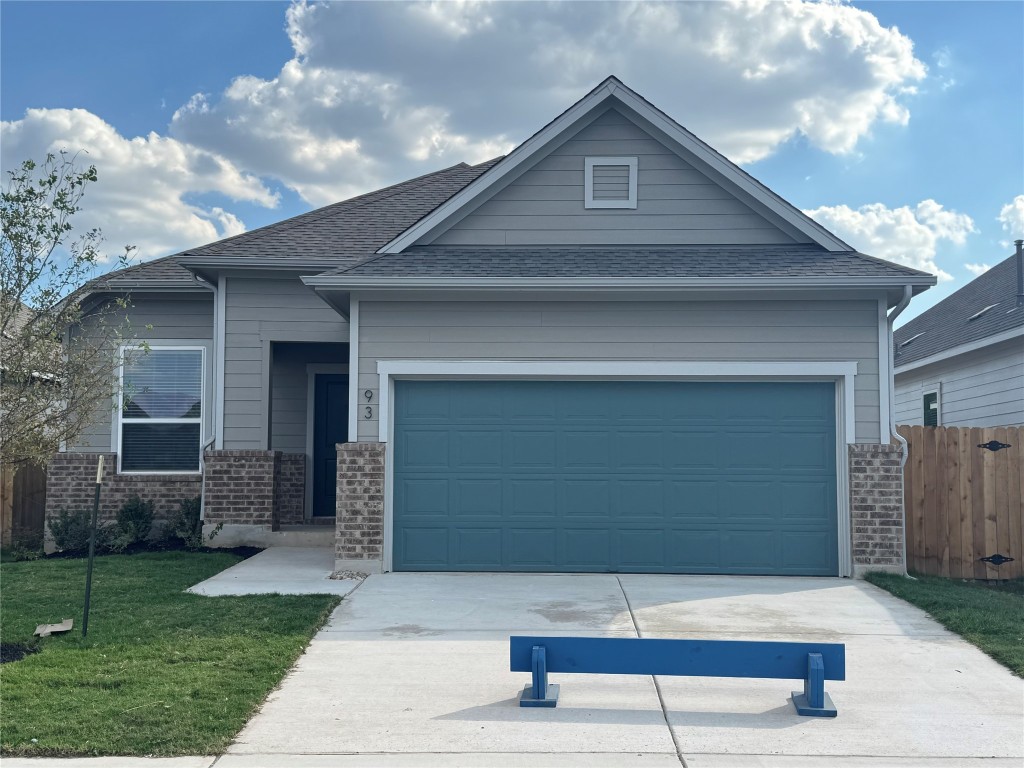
x,y
257,312
177,318
737,331
979,389
289,388
676,204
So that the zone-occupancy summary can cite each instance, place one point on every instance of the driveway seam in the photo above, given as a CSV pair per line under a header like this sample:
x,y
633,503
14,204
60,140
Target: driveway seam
x,y
657,686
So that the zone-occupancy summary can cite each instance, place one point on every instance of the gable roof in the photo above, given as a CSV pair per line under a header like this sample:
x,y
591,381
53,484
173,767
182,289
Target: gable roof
x,y
613,92
948,324
788,261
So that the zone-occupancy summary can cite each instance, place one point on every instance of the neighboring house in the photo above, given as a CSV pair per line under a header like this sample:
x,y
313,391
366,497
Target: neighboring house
x,y
611,350
961,363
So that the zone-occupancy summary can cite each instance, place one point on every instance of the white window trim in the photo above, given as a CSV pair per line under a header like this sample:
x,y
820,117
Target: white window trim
x,y
588,182
842,373
201,420
933,389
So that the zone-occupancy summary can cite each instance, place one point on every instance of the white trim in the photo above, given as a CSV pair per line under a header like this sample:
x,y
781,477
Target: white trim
x,y
353,369
588,182
962,349
220,340
200,420
612,90
884,374
842,373
312,369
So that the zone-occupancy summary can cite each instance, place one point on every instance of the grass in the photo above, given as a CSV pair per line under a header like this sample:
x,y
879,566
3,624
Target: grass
x,y
161,673
991,616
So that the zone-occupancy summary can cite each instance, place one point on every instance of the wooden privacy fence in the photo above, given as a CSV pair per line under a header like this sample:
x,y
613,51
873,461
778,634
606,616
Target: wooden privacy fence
x,y
22,501
963,501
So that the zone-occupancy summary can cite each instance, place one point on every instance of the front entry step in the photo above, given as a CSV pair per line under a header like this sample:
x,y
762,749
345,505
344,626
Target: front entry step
x,y
235,535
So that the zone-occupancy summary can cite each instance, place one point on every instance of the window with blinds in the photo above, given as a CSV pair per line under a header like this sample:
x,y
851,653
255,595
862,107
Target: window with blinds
x,y
609,182
161,421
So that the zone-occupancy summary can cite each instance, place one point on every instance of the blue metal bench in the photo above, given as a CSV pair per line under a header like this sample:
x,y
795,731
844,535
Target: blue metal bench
x,y
814,663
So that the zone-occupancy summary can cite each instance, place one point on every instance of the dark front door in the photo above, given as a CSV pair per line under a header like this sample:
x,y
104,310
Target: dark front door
x,y
330,427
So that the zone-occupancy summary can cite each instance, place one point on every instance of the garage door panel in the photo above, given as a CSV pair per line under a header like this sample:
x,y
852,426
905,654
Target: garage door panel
x,y
585,497
615,476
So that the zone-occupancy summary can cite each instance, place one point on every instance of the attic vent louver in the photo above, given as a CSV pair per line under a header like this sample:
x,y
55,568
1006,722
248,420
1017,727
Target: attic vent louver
x,y
910,340
610,182
976,315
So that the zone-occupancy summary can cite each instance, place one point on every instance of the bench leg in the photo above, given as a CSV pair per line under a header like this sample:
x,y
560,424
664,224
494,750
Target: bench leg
x,y
540,694
814,702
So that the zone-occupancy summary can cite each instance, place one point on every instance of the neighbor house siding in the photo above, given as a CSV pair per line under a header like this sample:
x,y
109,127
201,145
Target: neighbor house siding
x,y
258,311
677,204
691,331
160,318
984,388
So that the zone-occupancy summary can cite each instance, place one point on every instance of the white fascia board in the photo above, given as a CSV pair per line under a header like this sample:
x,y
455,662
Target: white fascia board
x,y
343,282
962,349
613,88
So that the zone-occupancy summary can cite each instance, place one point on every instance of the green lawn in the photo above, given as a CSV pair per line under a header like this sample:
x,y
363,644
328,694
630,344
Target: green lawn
x,y
161,673
989,616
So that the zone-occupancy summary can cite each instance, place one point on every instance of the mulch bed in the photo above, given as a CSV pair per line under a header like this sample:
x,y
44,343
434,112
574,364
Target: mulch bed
x,y
15,651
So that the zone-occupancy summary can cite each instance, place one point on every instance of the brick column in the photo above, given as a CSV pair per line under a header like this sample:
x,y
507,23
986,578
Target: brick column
x,y
240,488
876,508
359,542
290,489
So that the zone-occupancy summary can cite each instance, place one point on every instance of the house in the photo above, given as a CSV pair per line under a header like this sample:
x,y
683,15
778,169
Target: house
x,y
610,351
961,363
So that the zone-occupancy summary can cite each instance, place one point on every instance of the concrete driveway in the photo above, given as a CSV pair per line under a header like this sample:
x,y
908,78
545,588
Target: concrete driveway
x,y
413,670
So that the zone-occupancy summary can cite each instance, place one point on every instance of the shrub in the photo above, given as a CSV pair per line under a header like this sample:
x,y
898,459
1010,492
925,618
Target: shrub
x,y
133,524
70,532
26,546
185,525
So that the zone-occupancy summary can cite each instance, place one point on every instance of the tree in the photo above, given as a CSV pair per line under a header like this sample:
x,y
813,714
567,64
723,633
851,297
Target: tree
x,y
58,361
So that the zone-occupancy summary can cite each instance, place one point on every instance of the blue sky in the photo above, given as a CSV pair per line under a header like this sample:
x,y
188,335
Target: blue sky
x,y
900,125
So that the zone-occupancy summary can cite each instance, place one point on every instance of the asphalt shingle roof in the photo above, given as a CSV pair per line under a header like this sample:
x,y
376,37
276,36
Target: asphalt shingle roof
x,y
347,232
948,323
626,261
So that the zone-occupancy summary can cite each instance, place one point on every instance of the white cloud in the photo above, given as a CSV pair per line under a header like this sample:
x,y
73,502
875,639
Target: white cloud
x,y
142,197
977,269
904,235
1011,217
379,92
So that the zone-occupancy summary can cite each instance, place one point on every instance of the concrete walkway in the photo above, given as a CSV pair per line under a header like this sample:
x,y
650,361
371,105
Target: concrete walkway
x,y
279,570
412,670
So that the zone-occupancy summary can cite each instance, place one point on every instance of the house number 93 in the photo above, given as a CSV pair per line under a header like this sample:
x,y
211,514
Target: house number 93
x,y
367,409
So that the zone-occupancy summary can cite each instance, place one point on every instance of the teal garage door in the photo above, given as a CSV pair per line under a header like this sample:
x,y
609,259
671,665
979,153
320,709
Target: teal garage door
x,y
615,476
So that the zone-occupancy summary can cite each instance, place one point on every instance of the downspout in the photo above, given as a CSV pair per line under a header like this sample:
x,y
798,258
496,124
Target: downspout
x,y
908,294
1020,272
215,411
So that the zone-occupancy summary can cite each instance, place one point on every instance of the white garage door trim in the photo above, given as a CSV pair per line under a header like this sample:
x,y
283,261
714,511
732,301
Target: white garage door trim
x,y
841,373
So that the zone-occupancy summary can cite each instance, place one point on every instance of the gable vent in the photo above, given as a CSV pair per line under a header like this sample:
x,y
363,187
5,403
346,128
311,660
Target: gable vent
x,y
610,182
976,315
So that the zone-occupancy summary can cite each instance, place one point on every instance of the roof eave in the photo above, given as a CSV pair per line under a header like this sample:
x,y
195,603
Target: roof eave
x,y
959,349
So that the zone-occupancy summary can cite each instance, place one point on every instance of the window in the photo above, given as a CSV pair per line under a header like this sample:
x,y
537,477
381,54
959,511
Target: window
x,y
161,420
930,404
609,182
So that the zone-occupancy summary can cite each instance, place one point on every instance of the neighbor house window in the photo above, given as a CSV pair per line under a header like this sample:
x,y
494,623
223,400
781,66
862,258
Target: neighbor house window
x,y
609,182
161,421
930,404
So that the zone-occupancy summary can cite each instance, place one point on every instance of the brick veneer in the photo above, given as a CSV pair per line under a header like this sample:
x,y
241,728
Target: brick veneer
x,y
290,489
359,543
876,508
71,484
240,488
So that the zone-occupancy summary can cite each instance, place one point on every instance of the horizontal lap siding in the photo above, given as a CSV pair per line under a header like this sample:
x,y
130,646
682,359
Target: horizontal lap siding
x,y
256,312
979,389
677,203
182,319
697,331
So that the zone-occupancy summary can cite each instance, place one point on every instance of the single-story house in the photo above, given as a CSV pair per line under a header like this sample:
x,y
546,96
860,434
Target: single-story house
x,y
611,350
961,362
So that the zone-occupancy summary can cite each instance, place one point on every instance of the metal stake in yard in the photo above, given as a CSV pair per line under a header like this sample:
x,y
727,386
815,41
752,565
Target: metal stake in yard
x,y
92,546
